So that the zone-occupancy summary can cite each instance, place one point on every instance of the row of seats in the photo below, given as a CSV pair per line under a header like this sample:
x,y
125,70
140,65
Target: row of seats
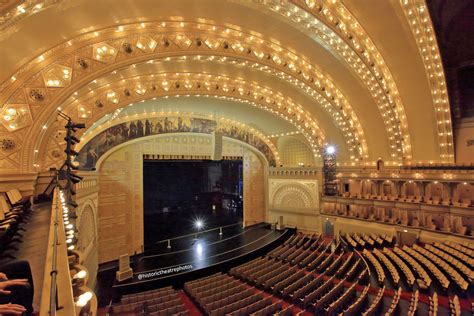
x,y
454,261
14,212
425,281
453,273
456,253
465,248
394,304
377,266
389,265
454,305
413,303
442,279
409,276
164,301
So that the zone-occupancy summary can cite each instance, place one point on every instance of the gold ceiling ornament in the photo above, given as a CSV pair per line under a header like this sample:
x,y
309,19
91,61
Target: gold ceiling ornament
x,y
104,52
146,44
57,76
419,21
112,96
16,116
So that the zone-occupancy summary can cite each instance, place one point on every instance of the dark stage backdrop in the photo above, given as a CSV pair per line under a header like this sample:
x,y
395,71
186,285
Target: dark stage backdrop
x,y
178,192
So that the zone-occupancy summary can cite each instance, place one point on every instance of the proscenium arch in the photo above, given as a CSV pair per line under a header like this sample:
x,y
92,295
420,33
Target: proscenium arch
x,y
253,137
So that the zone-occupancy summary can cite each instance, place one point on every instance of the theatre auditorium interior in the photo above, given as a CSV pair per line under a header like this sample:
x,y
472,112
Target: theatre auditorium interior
x,y
236,157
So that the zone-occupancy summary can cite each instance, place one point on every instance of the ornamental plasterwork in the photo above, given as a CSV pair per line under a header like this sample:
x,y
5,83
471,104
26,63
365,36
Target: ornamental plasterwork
x,y
281,190
331,22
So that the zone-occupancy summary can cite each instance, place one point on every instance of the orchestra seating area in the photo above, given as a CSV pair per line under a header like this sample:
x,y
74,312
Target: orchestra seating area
x,y
14,212
351,274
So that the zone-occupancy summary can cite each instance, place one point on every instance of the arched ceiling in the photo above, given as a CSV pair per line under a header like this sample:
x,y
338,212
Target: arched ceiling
x,y
335,71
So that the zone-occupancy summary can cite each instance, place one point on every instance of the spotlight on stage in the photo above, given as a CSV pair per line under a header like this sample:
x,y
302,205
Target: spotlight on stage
x,y
330,150
199,224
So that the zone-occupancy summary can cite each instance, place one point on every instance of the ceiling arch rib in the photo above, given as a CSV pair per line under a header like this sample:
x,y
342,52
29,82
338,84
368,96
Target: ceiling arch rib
x,y
186,84
419,21
331,24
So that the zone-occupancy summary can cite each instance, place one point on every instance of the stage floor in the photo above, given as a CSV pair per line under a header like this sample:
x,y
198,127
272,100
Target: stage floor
x,y
209,253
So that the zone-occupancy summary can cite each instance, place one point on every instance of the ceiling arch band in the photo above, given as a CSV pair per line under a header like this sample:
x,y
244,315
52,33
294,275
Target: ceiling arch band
x,y
115,95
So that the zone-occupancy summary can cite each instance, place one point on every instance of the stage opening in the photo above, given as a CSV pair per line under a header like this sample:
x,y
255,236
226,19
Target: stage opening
x,y
184,197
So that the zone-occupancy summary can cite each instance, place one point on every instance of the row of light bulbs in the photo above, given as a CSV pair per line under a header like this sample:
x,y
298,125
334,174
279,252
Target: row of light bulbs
x,y
420,24
70,232
354,144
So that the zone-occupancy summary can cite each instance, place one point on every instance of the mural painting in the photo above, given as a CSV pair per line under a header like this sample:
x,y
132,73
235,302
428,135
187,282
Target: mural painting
x,y
118,134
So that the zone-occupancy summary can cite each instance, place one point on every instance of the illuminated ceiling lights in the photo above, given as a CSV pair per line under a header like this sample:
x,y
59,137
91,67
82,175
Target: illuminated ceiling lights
x,y
420,24
57,76
146,44
112,97
104,52
15,116
332,23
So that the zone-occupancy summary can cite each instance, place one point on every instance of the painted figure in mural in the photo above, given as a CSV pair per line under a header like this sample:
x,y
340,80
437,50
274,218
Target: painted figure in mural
x,y
148,127
158,128
133,130
140,131
124,129
180,124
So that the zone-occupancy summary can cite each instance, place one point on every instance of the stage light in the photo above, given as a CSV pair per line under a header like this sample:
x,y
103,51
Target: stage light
x,y
330,150
199,224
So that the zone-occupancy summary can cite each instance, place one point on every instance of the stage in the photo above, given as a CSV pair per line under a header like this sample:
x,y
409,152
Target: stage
x,y
190,258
